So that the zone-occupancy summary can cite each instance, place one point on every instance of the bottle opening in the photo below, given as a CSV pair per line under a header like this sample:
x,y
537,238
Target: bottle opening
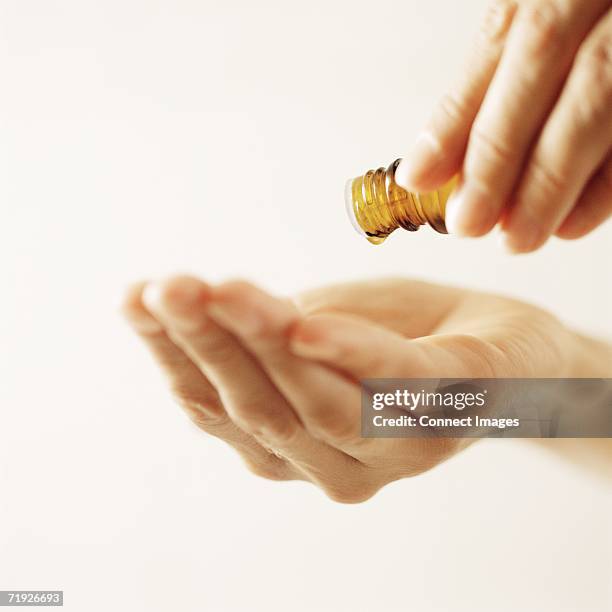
x,y
350,207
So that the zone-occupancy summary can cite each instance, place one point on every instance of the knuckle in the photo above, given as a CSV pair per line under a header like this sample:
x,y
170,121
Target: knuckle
x,y
248,417
206,409
490,147
533,344
254,426
205,420
454,106
212,421
272,429
481,354
248,425
594,63
496,21
270,470
597,52
216,350
544,25
595,105
548,182
328,426
282,433
187,396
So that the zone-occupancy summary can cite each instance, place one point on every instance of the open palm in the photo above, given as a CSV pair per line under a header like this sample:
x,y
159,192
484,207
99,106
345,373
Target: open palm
x,y
279,378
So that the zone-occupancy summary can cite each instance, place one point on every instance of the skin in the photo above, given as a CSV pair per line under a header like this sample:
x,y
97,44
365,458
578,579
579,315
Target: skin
x,y
278,379
528,126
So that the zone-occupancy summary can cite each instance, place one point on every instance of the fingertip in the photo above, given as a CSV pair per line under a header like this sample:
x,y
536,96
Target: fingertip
x,y
521,244
460,219
135,313
576,225
572,232
594,207
178,296
417,171
451,215
468,215
132,298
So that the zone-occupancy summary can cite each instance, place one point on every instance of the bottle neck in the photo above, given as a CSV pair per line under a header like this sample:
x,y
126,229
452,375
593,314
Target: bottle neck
x,y
379,206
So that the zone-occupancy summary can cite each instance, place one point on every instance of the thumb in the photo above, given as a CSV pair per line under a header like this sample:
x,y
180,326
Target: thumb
x,y
363,349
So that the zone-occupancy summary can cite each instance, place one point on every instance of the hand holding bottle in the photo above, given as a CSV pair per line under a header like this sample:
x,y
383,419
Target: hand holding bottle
x,y
529,126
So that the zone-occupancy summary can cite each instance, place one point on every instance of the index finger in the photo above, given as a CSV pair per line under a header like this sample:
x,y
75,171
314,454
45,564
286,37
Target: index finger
x,y
440,147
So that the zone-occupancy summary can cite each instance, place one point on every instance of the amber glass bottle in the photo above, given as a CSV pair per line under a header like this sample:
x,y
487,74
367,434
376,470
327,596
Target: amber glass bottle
x,y
377,206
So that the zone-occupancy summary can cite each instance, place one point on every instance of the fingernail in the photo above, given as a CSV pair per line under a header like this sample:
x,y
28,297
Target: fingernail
x,y
425,155
178,308
468,212
236,317
132,308
451,215
151,297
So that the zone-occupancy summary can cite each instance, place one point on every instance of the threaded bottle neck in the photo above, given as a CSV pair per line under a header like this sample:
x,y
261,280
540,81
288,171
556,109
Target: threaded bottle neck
x,y
378,206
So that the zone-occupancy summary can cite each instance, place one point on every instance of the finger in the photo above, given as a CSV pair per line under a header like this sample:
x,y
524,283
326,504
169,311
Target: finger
x,y
593,208
364,350
412,308
179,304
249,396
194,392
188,384
328,404
439,149
359,348
573,144
542,42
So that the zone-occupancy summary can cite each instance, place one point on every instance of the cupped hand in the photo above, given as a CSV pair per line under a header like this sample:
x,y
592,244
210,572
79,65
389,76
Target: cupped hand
x,y
529,126
278,379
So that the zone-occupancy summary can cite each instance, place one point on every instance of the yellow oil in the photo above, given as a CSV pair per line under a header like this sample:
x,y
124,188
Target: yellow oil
x,y
378,206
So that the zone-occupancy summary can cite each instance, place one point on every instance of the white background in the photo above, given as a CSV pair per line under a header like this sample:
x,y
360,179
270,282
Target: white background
x,y
143,137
